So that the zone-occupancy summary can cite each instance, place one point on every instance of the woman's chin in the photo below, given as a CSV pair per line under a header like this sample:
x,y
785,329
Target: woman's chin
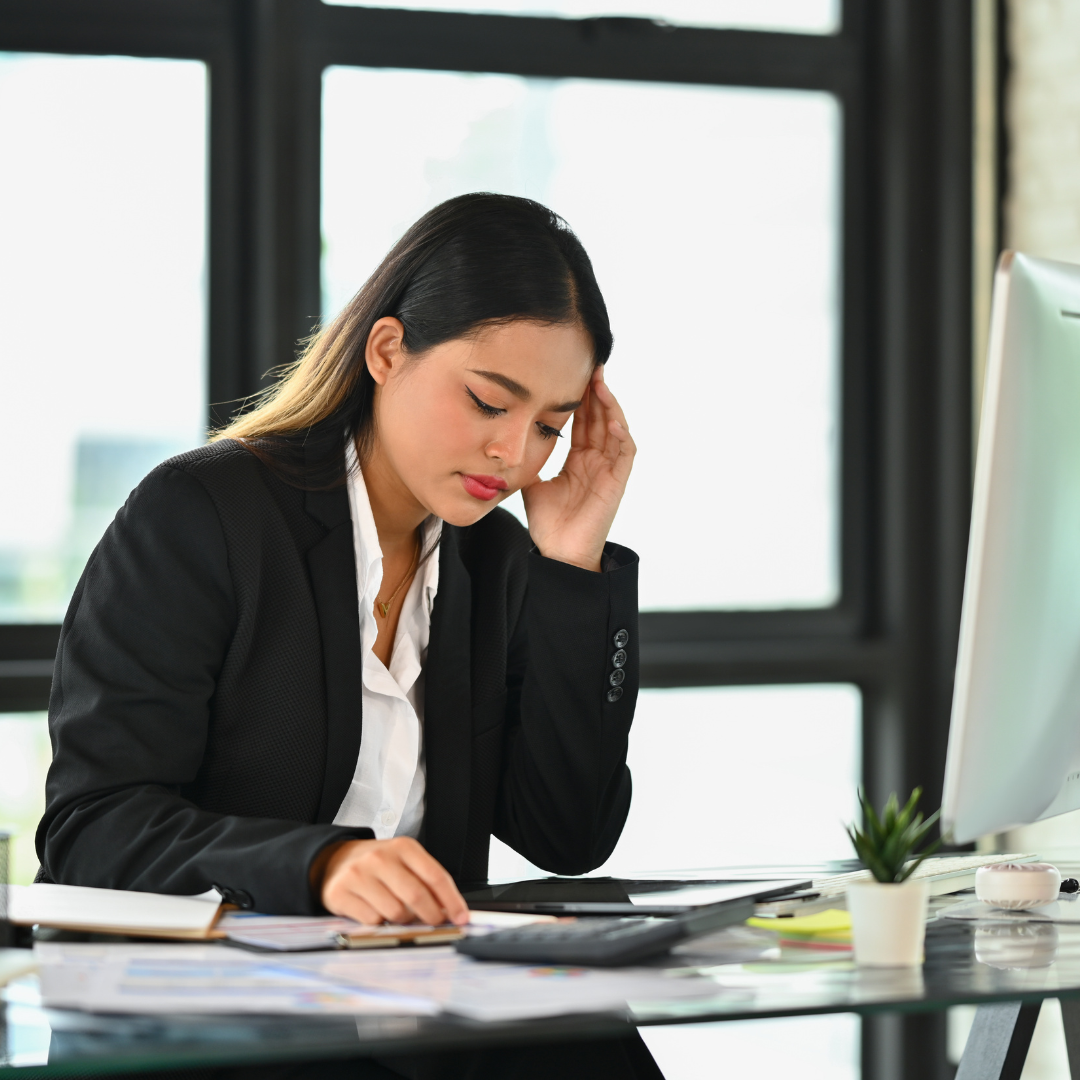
x,y
469,515
454,511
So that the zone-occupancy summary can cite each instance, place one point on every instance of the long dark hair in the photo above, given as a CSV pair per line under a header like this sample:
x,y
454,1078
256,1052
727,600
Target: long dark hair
x,y
473,261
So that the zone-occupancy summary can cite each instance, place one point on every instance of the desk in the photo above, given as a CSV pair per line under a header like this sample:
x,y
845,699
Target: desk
x,y
960,968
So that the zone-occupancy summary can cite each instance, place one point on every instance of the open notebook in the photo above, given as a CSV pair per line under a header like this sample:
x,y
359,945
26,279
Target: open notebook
x,y
116,911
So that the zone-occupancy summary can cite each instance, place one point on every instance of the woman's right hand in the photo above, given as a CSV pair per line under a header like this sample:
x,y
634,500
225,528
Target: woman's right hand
x,y
396,881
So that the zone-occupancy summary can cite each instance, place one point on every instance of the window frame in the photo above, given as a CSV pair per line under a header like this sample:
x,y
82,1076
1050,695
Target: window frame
x,y
902,71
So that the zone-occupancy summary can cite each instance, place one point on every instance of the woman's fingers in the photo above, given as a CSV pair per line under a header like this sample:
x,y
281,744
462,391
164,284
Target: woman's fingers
x,y
610,403
421,883
353,906
436,878
614,439
395,880
621,450
411,898
591,426
579,428
597,412
382,898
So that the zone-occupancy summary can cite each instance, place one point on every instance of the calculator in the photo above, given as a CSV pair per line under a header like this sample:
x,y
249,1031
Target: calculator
x,y
604,942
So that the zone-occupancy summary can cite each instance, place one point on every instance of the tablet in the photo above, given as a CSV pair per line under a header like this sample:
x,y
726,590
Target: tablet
x,y
622,896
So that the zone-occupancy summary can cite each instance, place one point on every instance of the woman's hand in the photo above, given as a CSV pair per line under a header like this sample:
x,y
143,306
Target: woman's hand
x,y
569,516
395,881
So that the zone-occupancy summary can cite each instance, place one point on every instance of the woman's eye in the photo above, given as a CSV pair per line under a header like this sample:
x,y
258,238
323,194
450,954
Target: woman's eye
x,y
548,432
483,406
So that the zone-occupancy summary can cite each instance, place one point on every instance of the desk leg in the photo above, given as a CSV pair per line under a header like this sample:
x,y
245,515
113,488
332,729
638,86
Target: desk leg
x,y
1070,1018
999,1041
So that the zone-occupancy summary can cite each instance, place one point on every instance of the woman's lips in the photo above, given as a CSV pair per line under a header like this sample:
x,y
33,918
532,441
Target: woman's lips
x,y
483,487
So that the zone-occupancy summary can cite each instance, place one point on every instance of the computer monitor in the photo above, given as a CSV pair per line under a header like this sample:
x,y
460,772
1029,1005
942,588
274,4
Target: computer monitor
x,y
1014,740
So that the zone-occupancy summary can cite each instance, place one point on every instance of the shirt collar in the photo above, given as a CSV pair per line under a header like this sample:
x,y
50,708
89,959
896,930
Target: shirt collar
x,y
366,539
365,535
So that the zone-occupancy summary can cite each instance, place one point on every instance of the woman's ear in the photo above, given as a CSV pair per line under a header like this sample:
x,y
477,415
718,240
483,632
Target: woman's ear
x,y
384,352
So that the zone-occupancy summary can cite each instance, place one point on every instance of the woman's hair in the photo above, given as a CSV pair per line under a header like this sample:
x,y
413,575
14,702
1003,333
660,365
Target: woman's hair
x,y
472,262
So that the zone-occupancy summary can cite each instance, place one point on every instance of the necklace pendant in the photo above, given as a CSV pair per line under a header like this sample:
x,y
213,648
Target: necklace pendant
x,y
385,608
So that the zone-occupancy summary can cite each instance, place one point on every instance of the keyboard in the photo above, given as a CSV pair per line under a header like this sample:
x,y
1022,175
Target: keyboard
x,y
603,942
947,874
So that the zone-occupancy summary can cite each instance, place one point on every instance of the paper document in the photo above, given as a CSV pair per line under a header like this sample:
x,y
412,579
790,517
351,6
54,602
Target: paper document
x,y
199,979
218,979
303,933
115,911
483,990
299,933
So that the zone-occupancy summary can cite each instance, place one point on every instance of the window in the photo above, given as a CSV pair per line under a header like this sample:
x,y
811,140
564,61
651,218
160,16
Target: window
x,y
734,776
25,753
707,212
102,301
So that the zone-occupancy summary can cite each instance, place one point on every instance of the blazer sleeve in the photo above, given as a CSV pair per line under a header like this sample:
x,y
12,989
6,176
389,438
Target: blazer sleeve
x,y
565,789
140,650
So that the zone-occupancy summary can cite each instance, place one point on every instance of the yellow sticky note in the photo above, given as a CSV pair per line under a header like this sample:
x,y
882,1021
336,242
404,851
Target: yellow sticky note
x,y
833,921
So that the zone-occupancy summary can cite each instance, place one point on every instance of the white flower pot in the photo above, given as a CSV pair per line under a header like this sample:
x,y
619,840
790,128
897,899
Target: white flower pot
x,y
888,922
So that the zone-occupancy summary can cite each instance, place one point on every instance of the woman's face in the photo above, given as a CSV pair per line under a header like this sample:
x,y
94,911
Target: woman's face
x,y
473,420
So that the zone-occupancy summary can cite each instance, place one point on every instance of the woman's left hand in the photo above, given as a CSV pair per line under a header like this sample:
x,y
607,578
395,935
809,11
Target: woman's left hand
x,y
570,515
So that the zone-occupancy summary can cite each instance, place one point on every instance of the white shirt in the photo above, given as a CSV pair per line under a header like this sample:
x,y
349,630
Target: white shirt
x,y
387,789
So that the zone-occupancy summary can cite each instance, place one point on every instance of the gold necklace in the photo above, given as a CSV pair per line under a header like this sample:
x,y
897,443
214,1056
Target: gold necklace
x,y
412,567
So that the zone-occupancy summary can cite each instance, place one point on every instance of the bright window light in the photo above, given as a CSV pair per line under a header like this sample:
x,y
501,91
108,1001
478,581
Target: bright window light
x,y
102,301
712,218
792,16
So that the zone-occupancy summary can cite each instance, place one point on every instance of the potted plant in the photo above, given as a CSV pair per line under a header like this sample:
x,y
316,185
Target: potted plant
x,y
888,913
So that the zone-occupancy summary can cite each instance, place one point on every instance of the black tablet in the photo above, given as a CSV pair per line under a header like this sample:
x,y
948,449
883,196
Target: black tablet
x,y
622,896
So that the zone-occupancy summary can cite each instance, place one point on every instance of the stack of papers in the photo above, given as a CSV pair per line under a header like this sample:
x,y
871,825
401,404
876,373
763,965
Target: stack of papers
x,y
198,979
284,933
194,979
305,933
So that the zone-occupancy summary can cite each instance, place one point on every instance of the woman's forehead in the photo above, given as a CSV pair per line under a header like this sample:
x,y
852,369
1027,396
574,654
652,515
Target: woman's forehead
x,y
532,360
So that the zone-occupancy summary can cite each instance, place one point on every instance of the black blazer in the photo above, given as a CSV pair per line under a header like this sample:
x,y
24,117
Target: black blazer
x,y
206,703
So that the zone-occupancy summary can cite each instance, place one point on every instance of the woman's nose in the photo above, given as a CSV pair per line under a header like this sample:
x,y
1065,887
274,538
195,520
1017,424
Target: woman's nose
x,y
509,446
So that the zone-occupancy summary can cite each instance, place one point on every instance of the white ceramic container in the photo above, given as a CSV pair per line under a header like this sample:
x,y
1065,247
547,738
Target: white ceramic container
x,y
888,922
1016,886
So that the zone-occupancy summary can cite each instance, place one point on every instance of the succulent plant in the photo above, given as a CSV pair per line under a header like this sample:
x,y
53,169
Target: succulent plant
x,y
888,844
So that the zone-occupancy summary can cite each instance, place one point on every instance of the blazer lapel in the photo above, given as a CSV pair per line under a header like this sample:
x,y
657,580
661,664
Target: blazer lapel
x,y
332,566
448,710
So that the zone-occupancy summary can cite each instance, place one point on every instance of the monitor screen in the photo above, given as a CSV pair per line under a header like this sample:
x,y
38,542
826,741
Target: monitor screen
x,y
1014,740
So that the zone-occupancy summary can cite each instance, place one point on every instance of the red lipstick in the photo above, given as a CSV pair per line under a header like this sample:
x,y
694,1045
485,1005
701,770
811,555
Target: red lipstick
x,y
483,487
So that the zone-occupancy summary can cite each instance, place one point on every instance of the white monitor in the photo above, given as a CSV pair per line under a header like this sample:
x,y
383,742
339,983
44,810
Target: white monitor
x,y
1014,740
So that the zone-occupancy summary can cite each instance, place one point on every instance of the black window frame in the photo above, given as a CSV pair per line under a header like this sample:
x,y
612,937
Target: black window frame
x,y
902,70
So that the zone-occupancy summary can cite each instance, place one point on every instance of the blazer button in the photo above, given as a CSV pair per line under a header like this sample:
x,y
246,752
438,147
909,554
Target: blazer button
x,y
616,677
614,693
620,639
619,659
240,897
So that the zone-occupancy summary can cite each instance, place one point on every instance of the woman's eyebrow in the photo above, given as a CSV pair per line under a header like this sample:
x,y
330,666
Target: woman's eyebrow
x,y
522,392
506,383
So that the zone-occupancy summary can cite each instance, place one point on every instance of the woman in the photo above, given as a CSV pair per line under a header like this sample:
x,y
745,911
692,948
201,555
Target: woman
x,y
312,664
